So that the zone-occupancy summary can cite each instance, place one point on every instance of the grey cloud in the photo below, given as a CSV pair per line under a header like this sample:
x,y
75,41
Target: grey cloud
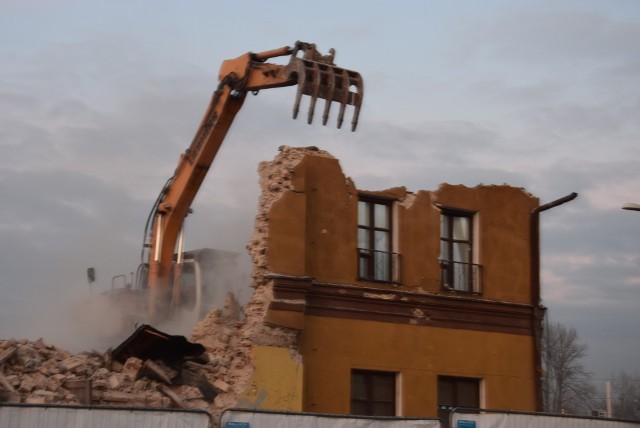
x,y
539,35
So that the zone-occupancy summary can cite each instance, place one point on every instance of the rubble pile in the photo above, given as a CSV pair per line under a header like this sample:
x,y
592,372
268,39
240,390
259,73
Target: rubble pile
x,y
37,372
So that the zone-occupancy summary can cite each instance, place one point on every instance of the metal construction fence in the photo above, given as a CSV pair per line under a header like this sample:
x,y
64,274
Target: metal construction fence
x,y
14,415
243,418
71,416
458,418
486,418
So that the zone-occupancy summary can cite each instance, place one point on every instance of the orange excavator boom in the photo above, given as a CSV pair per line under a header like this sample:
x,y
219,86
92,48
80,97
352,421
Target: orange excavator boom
x,y
316,76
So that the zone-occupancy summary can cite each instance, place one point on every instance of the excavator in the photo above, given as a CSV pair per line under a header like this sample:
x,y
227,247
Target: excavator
x,y
163,264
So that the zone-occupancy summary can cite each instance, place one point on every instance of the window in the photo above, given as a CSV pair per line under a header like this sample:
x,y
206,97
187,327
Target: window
x,y
375,259
373,393
457,392
456,252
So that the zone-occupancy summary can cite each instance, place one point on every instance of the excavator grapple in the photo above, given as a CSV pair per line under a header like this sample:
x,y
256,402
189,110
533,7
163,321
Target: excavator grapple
x,y
318,77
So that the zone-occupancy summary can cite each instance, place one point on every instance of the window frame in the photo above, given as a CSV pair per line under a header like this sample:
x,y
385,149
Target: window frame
x,y
452,278
455,382
368,254
371,400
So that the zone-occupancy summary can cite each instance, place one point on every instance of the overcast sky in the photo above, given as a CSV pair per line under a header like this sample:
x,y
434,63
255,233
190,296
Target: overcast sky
x,y
98,99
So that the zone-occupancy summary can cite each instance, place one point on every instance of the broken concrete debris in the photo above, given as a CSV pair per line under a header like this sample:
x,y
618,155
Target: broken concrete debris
x,y
147,369
38,373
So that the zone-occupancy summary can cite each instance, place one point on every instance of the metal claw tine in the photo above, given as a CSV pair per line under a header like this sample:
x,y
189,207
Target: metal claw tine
x,y
341,115
331,84
325,115
343,96
357,100
296,104
354,122
315,87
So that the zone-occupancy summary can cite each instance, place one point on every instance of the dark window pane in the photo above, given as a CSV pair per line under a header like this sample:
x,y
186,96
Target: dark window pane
x,y
458,392
461,228
373,393
445,392
381,216
444,250
383,409
383,387
358,386
456,250
363,239
444,226
364,267
461,252
374,240
468,394
363,213
382,240
461,278
359,408
381,266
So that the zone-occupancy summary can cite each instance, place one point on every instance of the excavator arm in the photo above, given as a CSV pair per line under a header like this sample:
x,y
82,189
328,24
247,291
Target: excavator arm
x,y
315,75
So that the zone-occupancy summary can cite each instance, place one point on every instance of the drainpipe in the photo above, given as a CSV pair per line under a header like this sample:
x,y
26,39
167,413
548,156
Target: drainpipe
x,y
538,309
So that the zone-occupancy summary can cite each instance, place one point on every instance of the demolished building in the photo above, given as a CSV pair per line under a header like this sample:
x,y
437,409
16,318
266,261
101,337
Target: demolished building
x,y
387,303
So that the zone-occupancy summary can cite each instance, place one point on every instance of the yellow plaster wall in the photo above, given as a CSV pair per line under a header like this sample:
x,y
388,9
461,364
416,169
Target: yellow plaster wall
x,y
287,240
276,383
332,347
313,232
